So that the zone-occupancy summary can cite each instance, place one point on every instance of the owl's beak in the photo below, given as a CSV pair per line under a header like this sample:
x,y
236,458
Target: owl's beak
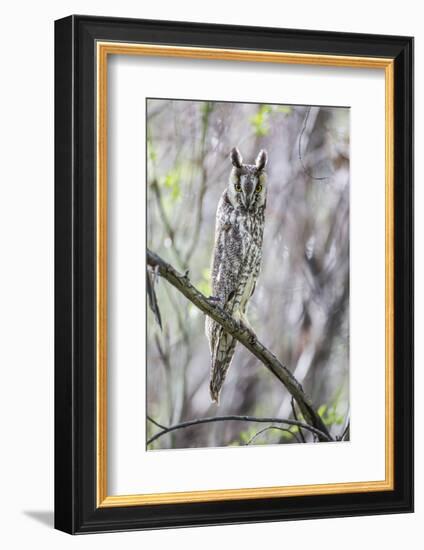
x,y
247,199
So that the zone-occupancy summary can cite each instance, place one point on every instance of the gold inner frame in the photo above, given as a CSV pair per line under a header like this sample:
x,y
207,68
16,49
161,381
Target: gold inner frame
x,y
104,49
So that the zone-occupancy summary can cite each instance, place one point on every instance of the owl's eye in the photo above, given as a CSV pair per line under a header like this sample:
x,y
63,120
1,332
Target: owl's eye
x,y
258,188
237,187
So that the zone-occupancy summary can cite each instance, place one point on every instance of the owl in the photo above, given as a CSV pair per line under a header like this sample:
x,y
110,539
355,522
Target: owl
x,y
237,256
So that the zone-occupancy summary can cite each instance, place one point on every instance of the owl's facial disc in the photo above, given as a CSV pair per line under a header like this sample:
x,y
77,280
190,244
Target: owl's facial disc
x,y
246,188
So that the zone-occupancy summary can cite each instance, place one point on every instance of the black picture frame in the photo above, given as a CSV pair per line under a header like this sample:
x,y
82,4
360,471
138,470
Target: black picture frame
x,y
76,508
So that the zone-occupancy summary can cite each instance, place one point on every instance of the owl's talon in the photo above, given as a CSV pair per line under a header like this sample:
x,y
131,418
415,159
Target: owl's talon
x,y
252,335
214,300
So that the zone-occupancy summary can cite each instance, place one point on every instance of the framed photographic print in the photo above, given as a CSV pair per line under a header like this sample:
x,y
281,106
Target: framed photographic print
x,y
234,274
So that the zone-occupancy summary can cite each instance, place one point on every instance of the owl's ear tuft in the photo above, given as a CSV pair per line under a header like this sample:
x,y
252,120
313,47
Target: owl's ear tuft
x,y
261,160
236,157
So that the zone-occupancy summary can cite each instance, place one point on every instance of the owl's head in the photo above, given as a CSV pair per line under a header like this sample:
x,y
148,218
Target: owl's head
x,y
247,184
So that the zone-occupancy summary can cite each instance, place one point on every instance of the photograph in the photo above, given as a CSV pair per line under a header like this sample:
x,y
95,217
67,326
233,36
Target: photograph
x,y
234,271
248,217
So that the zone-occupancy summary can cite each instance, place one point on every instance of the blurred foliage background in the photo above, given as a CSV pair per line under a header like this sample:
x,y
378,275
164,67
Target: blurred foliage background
x,y
300,309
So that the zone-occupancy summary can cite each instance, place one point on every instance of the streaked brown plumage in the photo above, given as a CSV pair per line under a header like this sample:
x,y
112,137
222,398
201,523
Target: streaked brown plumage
x,y
237,256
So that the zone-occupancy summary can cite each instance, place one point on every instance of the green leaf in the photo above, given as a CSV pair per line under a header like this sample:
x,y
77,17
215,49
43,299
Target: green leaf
x,y
259,121
151,152
285,109
322,410
244,436
176,192
206,108
286,435
172,182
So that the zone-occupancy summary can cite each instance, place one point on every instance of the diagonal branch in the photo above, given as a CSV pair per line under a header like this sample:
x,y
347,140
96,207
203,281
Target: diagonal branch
x,y
245,336
322,436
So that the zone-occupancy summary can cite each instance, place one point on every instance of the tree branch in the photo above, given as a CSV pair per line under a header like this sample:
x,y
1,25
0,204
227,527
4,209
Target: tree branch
x,y
245,336
321,435
153,421
296,418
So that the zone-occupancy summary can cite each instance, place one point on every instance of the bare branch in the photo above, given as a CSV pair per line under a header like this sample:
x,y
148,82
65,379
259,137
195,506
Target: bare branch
x,y
245,336
151,293
153,421
293,406
232,417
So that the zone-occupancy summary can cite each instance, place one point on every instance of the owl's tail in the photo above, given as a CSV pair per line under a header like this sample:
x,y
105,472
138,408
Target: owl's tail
x,y
222,355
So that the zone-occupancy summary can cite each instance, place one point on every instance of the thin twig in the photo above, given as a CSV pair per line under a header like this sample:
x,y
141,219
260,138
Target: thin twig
x,y
167,224
164,355
293,406
245,336
304,168
156,423
287,430
232,417
208,108
346,433
151,293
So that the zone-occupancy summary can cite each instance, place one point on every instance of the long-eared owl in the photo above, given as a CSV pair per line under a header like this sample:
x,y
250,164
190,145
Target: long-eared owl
x,y
237,256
